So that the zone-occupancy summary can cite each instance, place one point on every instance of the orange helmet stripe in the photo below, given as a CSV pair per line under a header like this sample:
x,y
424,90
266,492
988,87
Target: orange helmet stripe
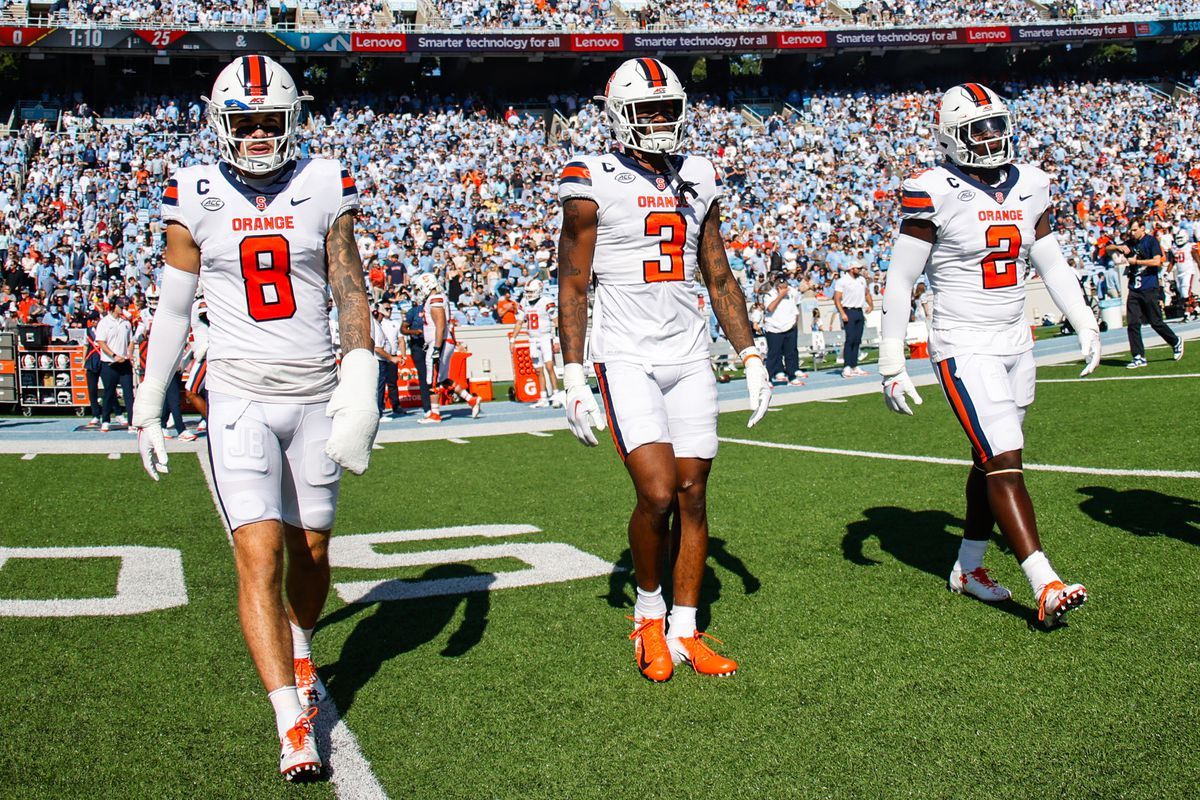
x,y
977,94
654,72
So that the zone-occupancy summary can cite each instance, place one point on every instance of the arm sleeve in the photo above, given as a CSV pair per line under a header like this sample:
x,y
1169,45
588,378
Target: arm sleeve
x,y
1060,280
171,323
909,256
576,182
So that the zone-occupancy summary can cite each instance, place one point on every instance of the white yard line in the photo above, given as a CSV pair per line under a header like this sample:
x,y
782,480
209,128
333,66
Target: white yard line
x,y
1120,378
349,770
457,441
835,451
540,434
113,456
29,457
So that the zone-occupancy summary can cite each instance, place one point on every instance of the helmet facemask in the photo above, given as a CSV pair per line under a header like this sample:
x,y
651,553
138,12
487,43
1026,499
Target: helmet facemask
x,y
235,117
986,142
649,136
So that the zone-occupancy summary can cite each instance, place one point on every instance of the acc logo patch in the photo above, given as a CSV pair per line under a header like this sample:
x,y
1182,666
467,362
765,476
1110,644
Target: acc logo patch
x,y
625,177
260,203
213,204
660,182
966,195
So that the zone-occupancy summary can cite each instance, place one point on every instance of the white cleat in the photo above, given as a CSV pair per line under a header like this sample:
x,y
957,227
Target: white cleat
x,y
558,399
309,687
979,584
1056,599
476,406
542,403
299,760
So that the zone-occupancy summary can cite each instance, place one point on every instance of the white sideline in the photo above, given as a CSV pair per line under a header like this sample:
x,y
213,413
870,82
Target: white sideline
x,y
835,451
1119,378
349,770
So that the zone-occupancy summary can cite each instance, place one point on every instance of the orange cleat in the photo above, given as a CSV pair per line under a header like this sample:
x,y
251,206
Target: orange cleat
x,y
704,661
650,649
299,761
1056,599
309,687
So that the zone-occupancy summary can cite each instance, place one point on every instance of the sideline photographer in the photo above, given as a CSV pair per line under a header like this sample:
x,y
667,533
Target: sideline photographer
x,y
1144,304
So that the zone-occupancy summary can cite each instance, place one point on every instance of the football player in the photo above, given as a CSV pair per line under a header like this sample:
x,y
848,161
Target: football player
x,y
439,347
538,316
270,233
973,225
639,222
1185,267
194,388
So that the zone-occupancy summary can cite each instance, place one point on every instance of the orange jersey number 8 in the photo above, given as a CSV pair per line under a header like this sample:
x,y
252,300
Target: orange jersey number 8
x,y
674,226
1000,266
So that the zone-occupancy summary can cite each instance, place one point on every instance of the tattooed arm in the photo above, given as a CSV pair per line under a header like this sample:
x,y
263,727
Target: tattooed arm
x,y
728,302
346,281
576,246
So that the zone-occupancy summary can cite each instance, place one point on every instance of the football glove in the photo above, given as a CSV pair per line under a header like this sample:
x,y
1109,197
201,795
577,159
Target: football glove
x,y
435,364
582,412
1084,322
758,384
895,391
147,418
354,411
897,386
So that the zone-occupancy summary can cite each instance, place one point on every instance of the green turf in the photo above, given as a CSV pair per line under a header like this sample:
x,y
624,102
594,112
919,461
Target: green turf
x,y
861,676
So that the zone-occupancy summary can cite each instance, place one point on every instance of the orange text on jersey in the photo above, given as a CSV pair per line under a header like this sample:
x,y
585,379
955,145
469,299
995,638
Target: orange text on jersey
x,y
263,223
654,201
1002,215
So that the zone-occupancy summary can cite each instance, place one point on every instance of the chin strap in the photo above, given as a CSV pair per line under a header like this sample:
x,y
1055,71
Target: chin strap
x,y
682,187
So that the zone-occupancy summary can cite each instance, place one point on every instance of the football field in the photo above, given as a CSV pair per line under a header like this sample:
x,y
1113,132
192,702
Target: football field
x,y
475,642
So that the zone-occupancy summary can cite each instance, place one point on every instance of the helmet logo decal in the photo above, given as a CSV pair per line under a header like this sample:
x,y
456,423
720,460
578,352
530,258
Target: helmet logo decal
x,y
232,103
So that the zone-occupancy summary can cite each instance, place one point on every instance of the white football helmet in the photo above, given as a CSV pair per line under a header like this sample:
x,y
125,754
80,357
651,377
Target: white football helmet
x,y
533,289
424,285
972,116
254,85
637,83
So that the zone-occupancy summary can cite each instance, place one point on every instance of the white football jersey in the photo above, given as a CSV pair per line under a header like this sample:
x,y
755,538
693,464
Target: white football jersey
x,y
980,261
435,299
539,317
262,255
645,259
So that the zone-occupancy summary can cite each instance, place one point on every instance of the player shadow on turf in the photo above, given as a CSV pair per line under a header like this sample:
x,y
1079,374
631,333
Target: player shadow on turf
x,y
919,539
400,626
622,588
1144,512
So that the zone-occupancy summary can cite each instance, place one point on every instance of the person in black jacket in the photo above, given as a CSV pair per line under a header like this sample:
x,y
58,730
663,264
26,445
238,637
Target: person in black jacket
x,y
1145,292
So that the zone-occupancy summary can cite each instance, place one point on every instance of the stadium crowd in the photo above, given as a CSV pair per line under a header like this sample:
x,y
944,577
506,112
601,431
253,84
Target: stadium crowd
x,y
589,15
453,186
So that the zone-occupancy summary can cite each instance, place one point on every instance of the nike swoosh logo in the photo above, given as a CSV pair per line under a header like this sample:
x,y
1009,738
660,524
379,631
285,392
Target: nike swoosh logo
x,y
1026,196
575,410
296,202
643,662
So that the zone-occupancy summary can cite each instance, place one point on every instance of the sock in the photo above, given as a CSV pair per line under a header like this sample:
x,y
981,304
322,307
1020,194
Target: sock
x,y
970,554
301,641
286,703
682,622
649,604
1039,572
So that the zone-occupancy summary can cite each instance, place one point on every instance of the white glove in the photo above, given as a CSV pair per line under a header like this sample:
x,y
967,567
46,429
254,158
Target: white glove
x,y
355,412
758,384
582,412
896,388
1084,323
896,383
147,418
